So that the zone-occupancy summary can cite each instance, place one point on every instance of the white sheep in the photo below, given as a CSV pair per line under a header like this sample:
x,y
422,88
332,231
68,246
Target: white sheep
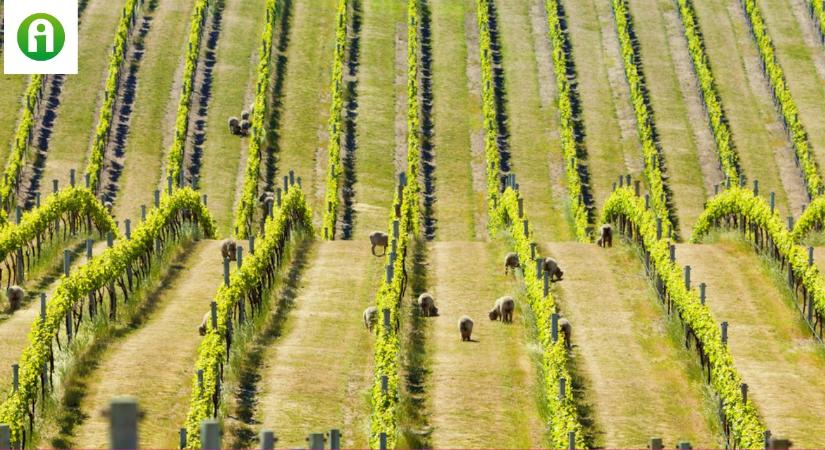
x,y
370,317
427,305
503,309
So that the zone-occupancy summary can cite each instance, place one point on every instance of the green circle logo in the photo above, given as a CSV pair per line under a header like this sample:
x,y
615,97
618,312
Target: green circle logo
x,y
41,37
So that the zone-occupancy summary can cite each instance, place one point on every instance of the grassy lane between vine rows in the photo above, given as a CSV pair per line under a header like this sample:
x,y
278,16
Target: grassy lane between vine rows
x,y
152,121
317,375
772,347
383,25
483,393
458,203
803,62
224,154
533,118
680,146
609,125
14,331
764,150
303,136
154,362
82,95
625,347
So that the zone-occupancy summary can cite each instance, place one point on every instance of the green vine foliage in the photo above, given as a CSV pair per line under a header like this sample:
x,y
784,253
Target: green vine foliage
x,y
627,210
817,11
107,110
20,146
503,211
335,126
722,135
249,284
654,161
73,207
562,65
406,211
246,206
176,153
101,274
783,100
752,215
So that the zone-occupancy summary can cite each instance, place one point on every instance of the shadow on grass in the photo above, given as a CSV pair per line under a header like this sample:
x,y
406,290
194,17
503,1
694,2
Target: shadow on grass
x,y
351,121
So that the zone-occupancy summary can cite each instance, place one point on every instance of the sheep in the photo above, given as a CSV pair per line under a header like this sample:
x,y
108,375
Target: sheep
x,y
427,305
566,330
265,197
379,239
370,317
108,205
229,249
511,262
245,115
245,125
15,295
465,326
503,309
204,323
606,238
552,268
234,125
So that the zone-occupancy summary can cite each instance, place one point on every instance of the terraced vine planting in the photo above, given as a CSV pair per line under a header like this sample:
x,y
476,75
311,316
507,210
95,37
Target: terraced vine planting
x,y
233,212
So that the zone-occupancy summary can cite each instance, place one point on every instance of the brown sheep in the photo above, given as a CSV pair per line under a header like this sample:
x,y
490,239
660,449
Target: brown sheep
x,y
465,326
234,125
427,305
245,125
606,238
15,294
379,239
511,262
503,309
370,317
552,268
566,331
229,249
205,323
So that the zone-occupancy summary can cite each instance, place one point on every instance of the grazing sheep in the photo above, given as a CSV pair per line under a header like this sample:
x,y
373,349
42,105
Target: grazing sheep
x,y
552,268
108,205
265,197
566,330
427,305
379,239
606,239
15,295
234,125
245,115
229,249
370,317
245,125
465,326
205,323
503,309
511,262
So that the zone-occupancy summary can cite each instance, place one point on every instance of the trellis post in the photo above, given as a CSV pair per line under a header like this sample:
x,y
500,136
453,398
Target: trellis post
x,y
123,417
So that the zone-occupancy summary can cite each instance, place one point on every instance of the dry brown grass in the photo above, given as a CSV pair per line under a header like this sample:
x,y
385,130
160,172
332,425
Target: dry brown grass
x,y
638,382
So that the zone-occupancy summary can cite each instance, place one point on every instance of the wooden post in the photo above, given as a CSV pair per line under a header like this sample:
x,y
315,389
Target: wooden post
x,y
755,187
554,327
123,423
54,186
37,200
213,308
744,388
267,439
182,443
647,201
562,388
21,267
687,277
43,306
767,437
382,441
810,256
200,379
396,230
627,180
389,273
672,253
5,437
69,322
110,239
286,184
533,250
71,177
251,245
790,223
637,187
18,214
169,185
655,444
67,261
128,224
210,435
724,333
88,179
386,313
571,440
684,446
334,439
546,283
621,180
157,198
291,177
316,441
539,267
384,384
521,207
89,249
239,255
702,287
773,201
526,229
15,377
205,200
658,228
226,271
